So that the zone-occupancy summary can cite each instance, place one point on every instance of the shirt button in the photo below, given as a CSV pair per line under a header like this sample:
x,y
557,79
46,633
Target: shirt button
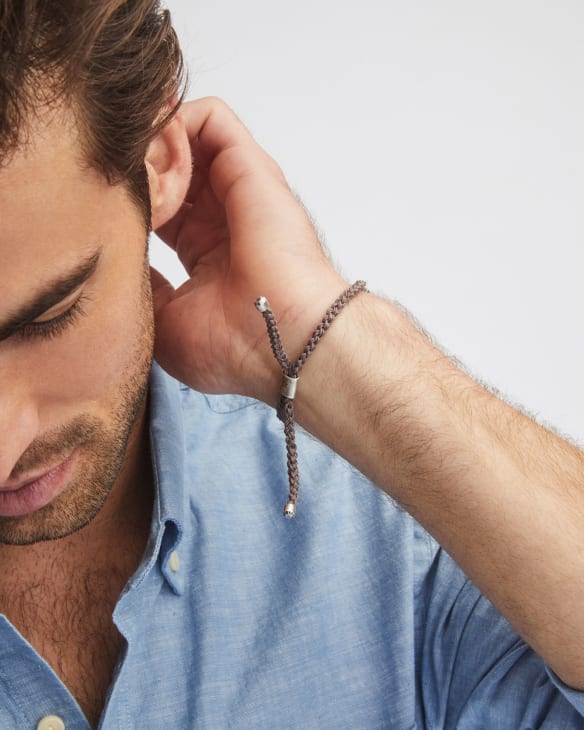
x,y
174,562
51,722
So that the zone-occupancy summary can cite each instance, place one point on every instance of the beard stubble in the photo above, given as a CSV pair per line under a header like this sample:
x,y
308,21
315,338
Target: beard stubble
x,y
104,445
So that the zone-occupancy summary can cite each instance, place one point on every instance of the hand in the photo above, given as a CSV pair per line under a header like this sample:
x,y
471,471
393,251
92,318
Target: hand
x,y
240,233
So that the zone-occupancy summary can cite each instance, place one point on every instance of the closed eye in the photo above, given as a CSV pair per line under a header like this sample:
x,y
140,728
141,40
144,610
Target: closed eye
x,y
48,329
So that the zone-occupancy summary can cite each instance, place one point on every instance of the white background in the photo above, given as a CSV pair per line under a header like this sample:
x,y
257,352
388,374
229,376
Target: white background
x,y
439,146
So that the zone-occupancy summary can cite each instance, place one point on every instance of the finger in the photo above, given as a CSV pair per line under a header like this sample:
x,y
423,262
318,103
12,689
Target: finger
x,y
214,125
246,183
223,152
162,290
222,148
170,230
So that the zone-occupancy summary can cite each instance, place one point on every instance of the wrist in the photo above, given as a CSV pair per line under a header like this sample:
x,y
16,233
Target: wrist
x,y
290,370
296,322
368,386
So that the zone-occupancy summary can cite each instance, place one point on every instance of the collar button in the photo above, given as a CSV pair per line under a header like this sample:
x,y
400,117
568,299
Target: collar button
x,y
174,562
51,722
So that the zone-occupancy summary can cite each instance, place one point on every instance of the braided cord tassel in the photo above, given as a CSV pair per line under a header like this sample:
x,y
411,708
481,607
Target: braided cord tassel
x,y
290,372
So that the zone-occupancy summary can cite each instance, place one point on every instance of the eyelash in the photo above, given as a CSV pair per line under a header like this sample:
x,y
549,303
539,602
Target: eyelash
x,y
52,327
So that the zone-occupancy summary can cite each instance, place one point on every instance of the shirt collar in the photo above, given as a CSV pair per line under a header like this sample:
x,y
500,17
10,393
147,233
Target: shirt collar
x,y
167,452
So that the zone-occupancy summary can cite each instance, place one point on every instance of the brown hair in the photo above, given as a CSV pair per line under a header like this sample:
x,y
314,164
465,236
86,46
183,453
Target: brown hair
x,y
117,63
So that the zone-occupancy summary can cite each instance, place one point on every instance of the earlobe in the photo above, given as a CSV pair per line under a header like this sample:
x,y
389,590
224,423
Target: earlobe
x,y
168,164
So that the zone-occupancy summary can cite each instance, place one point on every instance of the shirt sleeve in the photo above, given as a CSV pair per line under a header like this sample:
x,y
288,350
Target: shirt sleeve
x,y
473,669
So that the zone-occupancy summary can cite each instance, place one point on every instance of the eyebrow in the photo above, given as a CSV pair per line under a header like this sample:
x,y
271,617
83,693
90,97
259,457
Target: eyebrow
x,y
53,293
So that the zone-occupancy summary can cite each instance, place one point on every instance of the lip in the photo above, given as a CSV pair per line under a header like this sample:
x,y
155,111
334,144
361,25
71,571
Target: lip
x,y
30,480
33,494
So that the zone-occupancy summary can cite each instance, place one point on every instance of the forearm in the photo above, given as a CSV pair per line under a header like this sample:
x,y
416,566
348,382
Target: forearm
x,y
504,496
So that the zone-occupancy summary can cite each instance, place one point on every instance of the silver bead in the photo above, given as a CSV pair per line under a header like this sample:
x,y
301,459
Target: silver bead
x,y
290,509
262,304
288,387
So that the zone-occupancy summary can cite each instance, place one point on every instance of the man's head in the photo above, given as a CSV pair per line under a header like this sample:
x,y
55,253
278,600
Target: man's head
x,y
92,154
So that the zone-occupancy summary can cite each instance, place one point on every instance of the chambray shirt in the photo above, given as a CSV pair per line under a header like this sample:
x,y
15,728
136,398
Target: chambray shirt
x,y
347,617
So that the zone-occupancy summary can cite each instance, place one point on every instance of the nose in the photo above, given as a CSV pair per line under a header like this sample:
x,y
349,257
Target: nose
x,y
19,425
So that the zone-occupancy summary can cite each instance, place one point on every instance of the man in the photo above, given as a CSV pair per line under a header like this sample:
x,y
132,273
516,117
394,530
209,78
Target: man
x,y
147,576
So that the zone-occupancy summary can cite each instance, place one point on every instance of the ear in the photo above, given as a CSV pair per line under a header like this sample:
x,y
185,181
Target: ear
x,y
168,163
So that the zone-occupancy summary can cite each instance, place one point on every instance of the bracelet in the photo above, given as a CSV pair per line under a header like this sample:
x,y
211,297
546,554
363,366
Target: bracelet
x,y
290,371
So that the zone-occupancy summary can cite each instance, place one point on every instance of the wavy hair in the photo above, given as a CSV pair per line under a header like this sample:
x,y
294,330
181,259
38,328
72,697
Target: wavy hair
x,y
116,63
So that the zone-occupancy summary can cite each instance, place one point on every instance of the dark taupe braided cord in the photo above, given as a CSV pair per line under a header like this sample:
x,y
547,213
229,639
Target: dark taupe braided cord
x,y
290,371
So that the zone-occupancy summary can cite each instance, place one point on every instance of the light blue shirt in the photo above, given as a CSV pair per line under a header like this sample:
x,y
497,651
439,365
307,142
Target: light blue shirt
x,y
347,617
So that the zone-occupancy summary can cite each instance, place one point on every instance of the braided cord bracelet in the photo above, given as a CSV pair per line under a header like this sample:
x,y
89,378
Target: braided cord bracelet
x,y
290,372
